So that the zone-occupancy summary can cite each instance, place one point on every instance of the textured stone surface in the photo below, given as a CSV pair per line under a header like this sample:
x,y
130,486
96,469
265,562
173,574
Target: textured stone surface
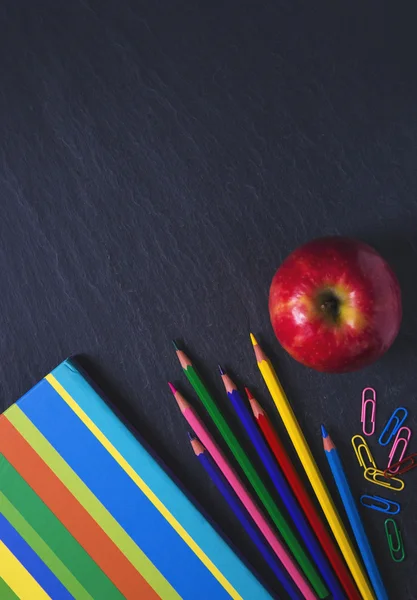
x,y
158,160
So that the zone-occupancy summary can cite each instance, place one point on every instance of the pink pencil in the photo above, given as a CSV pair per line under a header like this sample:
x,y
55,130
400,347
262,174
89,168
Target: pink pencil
x,y
195,423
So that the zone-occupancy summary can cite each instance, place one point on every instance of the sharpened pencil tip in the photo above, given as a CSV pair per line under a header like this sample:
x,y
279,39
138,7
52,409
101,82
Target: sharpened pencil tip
x,y
221,370
191,436
249,394
253,340
174,343
179,398
197,446
172,388
324,431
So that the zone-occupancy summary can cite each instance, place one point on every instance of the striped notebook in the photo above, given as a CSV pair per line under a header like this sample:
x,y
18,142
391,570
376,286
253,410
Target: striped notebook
x,y
87,513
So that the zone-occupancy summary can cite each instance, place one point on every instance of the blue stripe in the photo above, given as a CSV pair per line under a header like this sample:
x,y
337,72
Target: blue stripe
x,y
241,578
31,562
119,494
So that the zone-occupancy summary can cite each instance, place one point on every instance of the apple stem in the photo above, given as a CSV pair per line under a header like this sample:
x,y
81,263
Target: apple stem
x,y
330,306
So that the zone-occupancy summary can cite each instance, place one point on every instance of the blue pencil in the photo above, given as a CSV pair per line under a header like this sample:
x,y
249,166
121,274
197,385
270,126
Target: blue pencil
x,y
283,488
234,502
353,515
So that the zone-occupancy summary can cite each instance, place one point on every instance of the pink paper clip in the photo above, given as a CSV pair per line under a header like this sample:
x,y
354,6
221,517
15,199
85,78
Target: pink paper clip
x,y
365,401
395,445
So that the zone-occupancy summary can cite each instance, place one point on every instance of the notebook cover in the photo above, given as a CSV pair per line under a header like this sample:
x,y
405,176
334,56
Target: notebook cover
x,y
87,512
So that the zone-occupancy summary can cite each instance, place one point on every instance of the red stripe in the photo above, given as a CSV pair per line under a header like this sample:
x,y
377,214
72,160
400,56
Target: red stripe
x,y
72,515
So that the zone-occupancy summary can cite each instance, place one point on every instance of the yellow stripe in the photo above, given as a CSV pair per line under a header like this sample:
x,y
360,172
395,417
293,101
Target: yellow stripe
x,y
92,505
143,487
17,578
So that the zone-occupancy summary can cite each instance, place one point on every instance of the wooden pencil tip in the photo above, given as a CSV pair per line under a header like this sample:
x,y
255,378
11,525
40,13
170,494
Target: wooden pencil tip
x,y
185,362
328,444
249,394
181,401
254,404
259,353
197,446
172,388
221,370
174,343
253,340
229,385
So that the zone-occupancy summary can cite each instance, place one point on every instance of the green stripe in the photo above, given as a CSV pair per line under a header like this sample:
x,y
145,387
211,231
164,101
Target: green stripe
x,y
42,550
55,535
91,504
5,592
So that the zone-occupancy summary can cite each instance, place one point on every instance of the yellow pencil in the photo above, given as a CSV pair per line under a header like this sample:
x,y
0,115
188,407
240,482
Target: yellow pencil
x,y
304,453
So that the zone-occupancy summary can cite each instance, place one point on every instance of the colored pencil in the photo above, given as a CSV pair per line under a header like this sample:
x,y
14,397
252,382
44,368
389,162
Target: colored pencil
x,y
249,470
283,490
352,512
228,494
279,549
312,471
304,499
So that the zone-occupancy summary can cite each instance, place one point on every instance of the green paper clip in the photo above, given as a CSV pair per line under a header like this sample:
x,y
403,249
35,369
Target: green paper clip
x,y
395,542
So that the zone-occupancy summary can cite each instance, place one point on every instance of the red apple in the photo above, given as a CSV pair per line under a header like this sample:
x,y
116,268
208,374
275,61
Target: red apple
x,y
335,305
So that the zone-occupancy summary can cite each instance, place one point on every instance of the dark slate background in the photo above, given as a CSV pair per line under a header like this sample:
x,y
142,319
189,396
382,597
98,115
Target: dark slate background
x,y
158,160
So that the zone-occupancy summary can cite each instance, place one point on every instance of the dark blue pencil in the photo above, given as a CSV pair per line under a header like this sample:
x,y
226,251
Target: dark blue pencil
x,y
283,488
234,503
352,512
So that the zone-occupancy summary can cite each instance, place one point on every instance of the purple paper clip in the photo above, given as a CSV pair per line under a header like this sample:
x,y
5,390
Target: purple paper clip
x,y
365,401
395,445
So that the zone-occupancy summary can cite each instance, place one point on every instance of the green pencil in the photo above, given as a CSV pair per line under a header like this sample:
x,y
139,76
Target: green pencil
x,y
256,482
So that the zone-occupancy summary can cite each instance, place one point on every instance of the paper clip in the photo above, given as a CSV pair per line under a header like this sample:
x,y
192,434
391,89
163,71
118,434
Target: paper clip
x,y
395,445
381,504
404,465
397,421
361,447
377,476
365,401
395,542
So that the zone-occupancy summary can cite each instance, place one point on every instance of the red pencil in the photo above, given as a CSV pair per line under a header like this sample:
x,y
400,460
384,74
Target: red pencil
x,y
303,498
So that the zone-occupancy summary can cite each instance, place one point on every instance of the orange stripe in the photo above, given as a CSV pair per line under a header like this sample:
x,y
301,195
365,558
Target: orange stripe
x,y
72,515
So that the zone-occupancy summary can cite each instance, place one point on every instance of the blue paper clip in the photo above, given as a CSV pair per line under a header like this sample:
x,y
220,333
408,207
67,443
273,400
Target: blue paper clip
x,y
382,504
393,425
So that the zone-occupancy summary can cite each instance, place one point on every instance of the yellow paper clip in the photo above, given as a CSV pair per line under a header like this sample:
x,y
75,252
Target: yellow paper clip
x,y
395,542
377,476
363,453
